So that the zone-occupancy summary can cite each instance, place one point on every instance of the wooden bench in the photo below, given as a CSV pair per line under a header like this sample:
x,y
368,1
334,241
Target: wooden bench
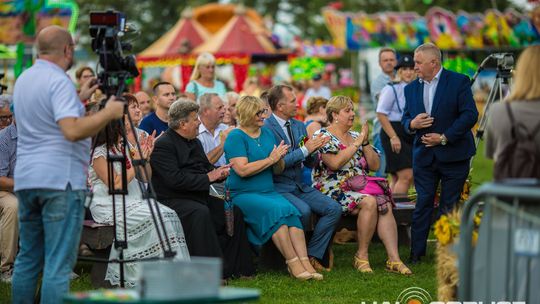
x,y
99,239
271,258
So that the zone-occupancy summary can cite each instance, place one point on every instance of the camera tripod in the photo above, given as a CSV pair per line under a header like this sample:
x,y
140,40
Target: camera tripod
x,y
121,241
503,78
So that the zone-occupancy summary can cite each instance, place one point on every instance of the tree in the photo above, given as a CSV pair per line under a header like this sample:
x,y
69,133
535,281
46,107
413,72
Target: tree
x,y
152,18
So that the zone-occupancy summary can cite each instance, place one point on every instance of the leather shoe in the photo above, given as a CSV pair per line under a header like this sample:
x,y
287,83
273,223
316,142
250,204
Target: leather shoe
x,y
414,259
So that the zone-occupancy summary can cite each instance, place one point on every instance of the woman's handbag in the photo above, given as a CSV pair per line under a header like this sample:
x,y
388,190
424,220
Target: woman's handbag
x,y
375,186
368,185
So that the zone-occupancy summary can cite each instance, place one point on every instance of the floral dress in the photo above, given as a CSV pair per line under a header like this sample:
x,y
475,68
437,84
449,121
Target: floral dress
x,y
334,183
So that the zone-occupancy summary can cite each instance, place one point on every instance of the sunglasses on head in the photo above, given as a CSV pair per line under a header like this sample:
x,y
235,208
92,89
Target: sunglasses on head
x,y
261,112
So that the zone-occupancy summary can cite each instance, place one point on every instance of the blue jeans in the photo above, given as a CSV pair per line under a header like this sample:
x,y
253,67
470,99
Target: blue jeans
x,y
329,212
50,223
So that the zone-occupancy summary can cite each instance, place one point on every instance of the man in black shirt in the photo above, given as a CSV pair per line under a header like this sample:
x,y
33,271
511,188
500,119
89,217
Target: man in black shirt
x,y
181,176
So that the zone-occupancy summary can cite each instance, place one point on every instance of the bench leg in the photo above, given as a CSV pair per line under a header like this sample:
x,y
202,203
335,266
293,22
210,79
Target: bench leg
x,y
97,275
404,235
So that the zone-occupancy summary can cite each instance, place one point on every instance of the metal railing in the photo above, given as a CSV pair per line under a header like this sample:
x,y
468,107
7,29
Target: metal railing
x,y
504,265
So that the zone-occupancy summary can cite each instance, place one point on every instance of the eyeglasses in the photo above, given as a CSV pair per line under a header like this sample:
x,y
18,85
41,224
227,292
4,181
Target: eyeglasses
x,y
261,112
6,118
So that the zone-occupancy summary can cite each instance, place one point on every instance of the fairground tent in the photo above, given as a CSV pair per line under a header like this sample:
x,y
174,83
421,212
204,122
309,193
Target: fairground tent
x,y
232,33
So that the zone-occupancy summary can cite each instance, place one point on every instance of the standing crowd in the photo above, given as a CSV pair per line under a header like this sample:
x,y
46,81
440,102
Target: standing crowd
x,y
231,172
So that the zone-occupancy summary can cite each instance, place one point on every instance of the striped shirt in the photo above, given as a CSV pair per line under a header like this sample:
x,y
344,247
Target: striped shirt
x,y
8,148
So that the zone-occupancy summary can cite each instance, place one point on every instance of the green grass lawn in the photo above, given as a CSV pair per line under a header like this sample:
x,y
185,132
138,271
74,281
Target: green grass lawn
x,y
344,284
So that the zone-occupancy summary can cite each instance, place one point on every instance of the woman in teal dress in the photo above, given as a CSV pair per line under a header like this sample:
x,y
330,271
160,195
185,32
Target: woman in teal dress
x,y
253,155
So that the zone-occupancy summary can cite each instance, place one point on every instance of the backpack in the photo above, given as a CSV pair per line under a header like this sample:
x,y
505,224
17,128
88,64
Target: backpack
x,y
520,158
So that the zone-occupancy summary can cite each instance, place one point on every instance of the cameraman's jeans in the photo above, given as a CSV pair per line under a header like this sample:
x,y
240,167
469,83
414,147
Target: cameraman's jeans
x,y
377,129
50,229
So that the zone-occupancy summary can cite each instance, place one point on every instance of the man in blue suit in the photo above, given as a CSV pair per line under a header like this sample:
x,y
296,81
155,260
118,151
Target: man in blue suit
x,y
289,183
440,111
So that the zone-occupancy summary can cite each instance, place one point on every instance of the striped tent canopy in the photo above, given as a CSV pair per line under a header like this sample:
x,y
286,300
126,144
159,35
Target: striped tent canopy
x,y
240,35
178,42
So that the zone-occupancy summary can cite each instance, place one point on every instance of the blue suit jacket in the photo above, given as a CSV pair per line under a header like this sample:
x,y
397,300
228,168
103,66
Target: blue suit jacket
x,y
454,112
291,177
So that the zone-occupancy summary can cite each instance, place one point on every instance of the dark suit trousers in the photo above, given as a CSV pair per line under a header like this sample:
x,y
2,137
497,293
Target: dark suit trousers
x,y
426,179
206,235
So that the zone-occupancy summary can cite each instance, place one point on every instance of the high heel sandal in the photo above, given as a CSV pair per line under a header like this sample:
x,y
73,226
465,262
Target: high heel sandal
x,y
316,276
362,265
303,276
398,267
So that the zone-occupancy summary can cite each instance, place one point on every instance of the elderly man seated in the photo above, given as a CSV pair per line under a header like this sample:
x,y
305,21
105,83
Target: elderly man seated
x,y
181,176
9,229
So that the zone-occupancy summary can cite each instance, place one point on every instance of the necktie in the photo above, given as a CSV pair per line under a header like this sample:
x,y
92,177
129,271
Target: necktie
x,y
289,132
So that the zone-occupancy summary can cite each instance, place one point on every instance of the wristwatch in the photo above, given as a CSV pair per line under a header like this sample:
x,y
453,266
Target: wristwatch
x,y
444,141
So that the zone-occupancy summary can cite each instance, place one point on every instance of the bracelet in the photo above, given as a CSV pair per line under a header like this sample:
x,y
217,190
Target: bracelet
x,y
393,137
365,144
272,159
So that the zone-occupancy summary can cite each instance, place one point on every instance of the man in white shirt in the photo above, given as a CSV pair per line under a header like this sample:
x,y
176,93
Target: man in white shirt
x,y
212,133
387,62
53,151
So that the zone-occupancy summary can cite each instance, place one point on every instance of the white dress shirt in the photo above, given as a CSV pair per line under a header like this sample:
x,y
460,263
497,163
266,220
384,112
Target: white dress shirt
x,y
429,91
211,141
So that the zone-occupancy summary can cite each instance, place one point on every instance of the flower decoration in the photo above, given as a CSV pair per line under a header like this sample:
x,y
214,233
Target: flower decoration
x,y
447,227
303,141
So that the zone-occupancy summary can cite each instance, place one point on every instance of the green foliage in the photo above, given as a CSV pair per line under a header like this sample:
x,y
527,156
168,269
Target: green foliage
x,y
153,18
304,68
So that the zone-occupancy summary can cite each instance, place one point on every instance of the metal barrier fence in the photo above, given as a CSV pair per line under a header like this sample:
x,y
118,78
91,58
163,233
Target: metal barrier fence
x,y
504,265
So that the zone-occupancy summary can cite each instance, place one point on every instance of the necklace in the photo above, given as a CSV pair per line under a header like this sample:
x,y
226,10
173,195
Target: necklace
x,y
256,139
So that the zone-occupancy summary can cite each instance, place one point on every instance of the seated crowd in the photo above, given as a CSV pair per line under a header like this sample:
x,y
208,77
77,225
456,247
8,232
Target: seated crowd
x,y
259,164
219,149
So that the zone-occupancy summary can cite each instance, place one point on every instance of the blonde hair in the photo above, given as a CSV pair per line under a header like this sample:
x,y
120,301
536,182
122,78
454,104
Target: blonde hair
x,y
398,77
315,103
246,108
336,104
204,58
527,75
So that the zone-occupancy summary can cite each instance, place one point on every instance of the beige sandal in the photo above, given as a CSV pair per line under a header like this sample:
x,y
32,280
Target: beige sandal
x,y
303,276
316,276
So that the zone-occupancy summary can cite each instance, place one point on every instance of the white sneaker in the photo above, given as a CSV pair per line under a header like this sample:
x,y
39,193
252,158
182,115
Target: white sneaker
x,y
5,277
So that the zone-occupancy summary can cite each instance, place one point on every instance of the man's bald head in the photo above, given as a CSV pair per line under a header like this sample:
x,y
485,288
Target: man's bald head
x,y
145,102
52,39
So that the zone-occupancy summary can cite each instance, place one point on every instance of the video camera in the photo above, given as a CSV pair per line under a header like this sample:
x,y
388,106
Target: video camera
x,y
505,61
106,30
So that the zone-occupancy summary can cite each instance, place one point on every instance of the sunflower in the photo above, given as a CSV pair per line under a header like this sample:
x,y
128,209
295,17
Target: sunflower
x,y
443,231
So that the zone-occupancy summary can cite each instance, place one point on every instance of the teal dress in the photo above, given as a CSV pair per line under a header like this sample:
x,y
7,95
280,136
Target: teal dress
x,y
264,209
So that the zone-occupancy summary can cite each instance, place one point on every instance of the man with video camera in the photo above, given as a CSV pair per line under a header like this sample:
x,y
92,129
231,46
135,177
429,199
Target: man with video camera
x,y
52,159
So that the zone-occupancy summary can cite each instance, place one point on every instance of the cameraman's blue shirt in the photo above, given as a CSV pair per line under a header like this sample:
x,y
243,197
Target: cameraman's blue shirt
x,y
151,123
44,95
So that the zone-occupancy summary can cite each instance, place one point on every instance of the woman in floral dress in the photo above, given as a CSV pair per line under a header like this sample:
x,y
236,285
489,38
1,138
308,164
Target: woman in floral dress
x,y
341,174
